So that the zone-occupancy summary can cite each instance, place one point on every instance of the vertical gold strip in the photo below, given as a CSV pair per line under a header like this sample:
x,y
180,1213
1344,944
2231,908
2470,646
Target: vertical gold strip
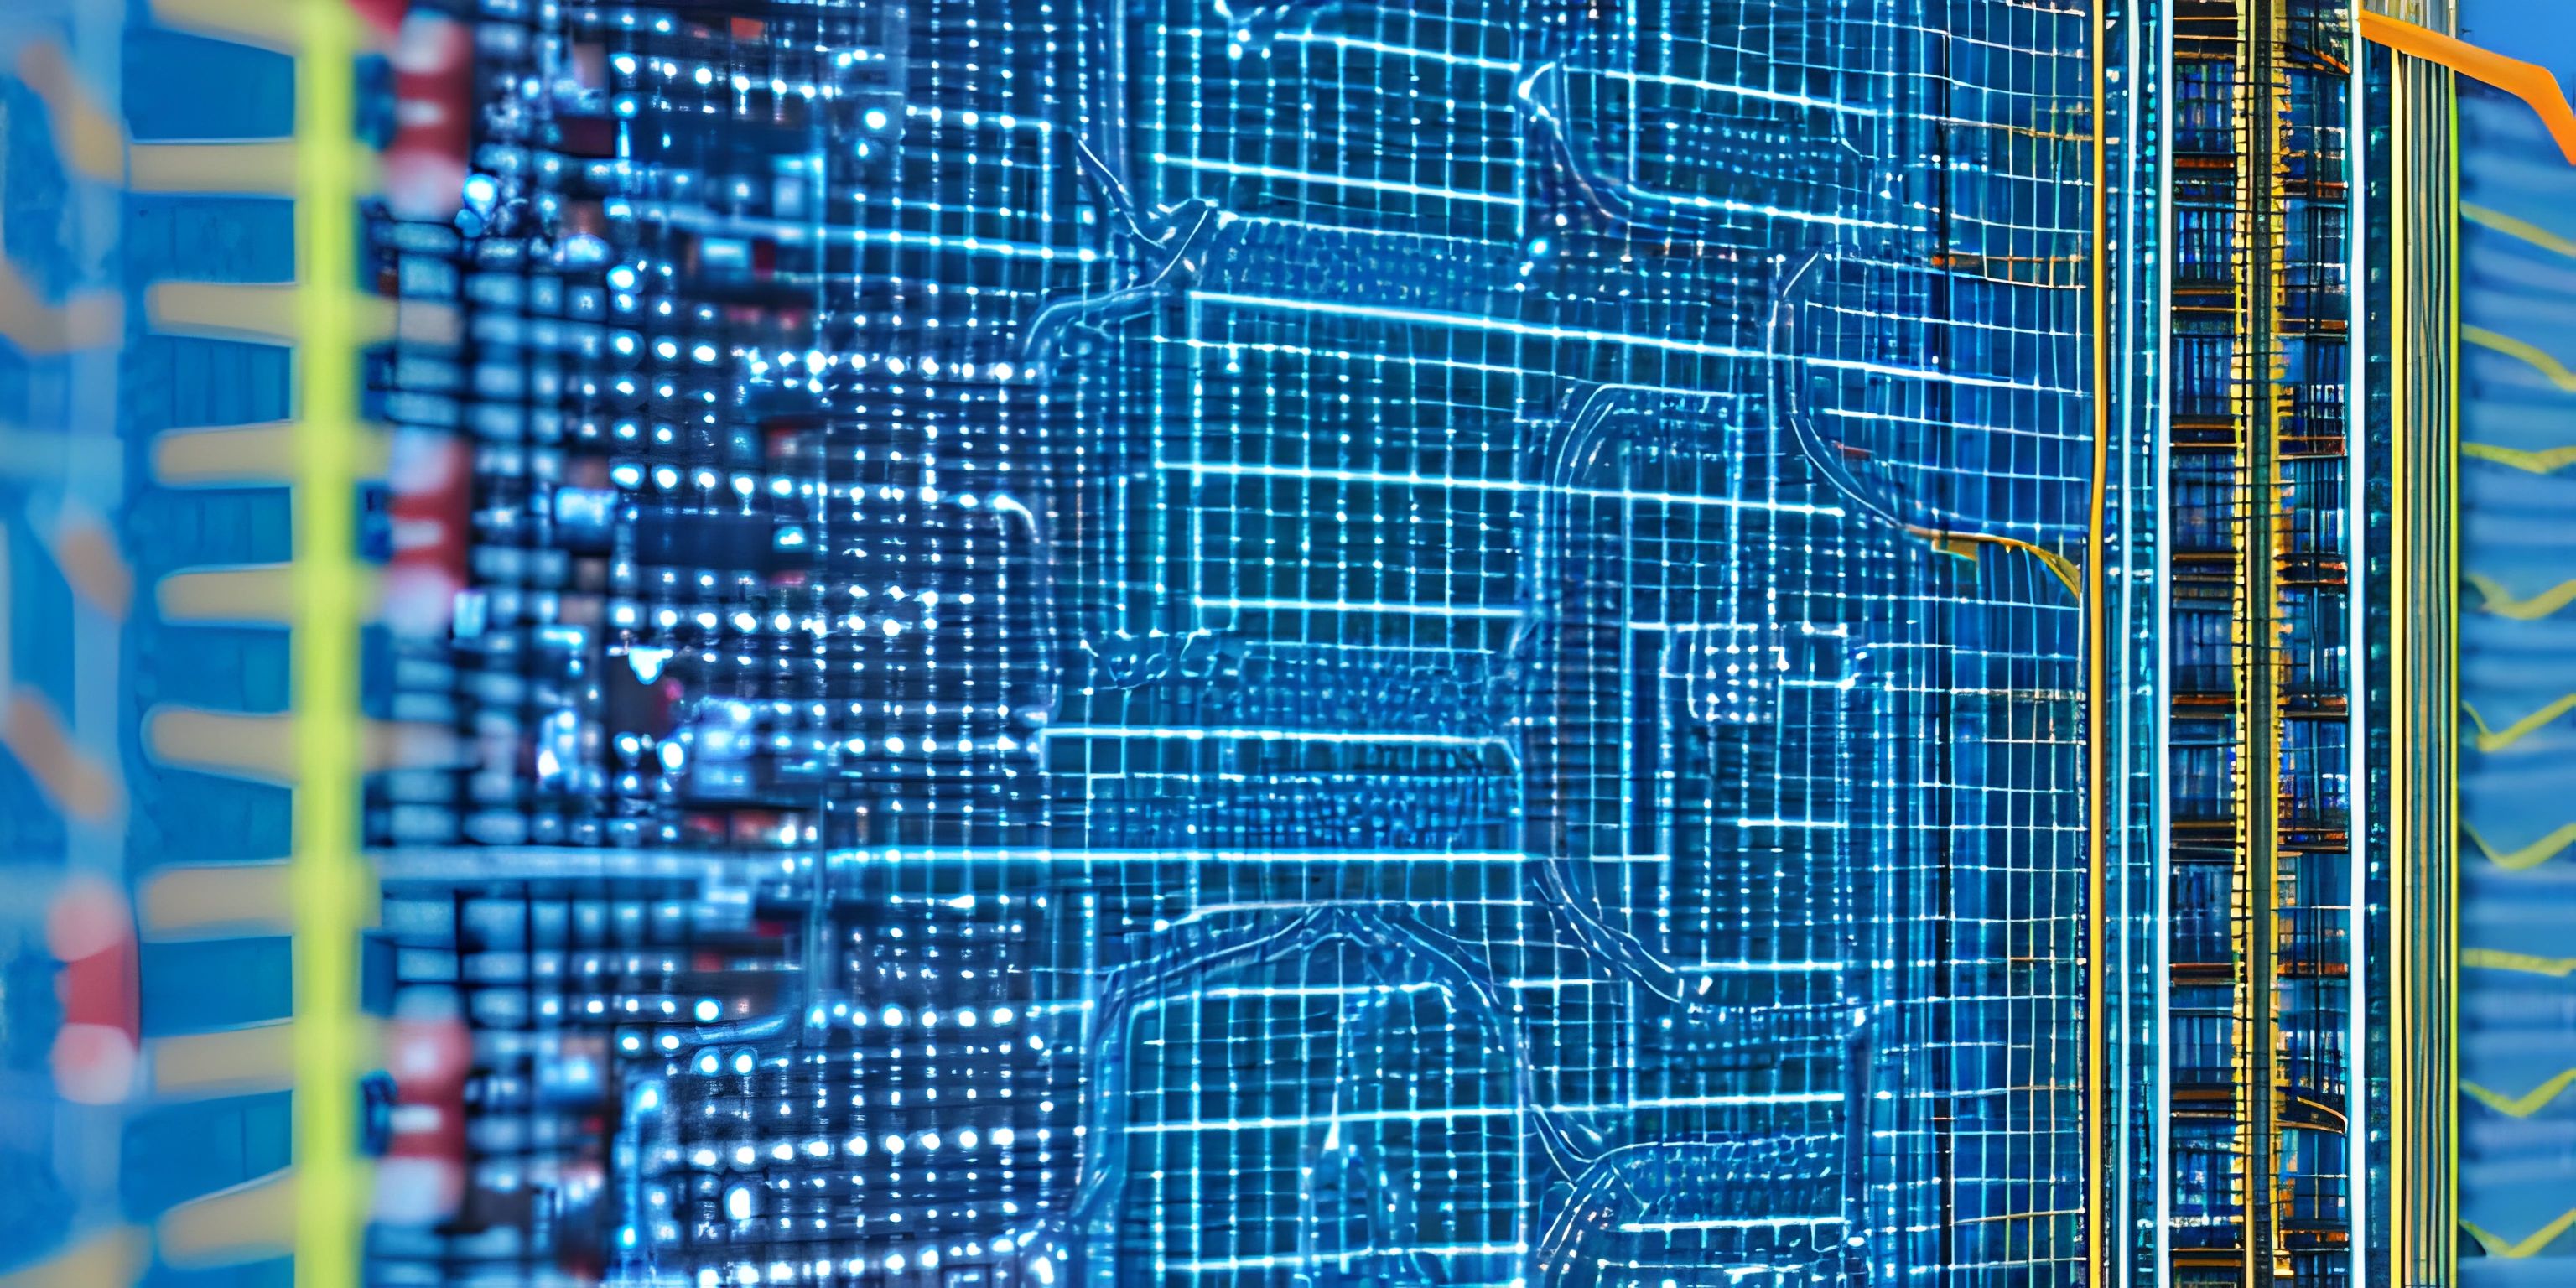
x,y
2097,1219
326,888
2446,850
2405,1196
2424,554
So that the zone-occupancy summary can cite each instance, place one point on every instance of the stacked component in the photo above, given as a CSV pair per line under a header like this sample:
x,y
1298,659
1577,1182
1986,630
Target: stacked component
x,y
1321,642
2261,860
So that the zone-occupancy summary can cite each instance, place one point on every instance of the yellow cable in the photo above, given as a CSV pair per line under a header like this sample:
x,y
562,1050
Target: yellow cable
x,y
2522,228
2499,739
1964,545
2501,602
2497,1247
2529,82
2097,1216
2549,461
2529,856
2539,359
2554,111
2519,963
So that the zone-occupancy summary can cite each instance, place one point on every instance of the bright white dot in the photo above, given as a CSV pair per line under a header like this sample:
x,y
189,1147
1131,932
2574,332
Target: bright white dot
x,y
708,1009
738,1203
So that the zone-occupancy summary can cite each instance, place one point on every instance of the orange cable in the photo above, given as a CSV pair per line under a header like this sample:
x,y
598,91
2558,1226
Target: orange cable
x,y
2529,82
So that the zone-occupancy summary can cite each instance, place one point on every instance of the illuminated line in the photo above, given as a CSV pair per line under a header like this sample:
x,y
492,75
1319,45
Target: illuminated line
x,y
1168,734
1352,606
2540,360
2519,963
1536,331
1332,180
1321,1120
796,234
1685,628
1741,91
895,854
1731,206
1822,824
1709,1102
2498,740
2526,81
1702,968
2529,856
2501,602
1400,51
1390,479
1727,1223
1634,78
1280,1260
1234,992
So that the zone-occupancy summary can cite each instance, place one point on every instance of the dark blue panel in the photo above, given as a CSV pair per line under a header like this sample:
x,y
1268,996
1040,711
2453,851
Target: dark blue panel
x,y
189,987
183,86
179,1152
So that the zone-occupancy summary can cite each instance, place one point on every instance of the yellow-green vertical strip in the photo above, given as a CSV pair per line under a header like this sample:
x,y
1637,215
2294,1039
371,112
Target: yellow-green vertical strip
x,y
2405,1172
2447,840
2097,1097
326,886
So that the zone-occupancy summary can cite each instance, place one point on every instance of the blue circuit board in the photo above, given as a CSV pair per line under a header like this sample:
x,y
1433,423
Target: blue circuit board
x,y
1154,643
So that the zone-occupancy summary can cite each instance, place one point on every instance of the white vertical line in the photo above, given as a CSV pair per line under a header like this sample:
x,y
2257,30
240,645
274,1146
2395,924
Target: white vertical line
x,y
2166,251
2357,757
2124,1203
